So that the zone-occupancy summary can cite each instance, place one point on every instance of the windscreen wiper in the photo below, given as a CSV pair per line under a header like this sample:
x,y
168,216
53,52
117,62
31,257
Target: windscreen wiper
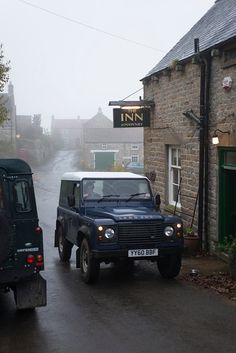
x,y
137,194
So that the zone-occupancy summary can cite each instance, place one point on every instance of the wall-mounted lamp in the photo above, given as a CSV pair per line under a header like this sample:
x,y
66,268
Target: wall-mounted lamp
x,y
215,138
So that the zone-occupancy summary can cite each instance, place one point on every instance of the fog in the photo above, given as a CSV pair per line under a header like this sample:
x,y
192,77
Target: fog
x,y
70,57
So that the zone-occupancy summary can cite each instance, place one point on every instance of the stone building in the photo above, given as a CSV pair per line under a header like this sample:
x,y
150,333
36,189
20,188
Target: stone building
x,y
106,147
69,131
194,90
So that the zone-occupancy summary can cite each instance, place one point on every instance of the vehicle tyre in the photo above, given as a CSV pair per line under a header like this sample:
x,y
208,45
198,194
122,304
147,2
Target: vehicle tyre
x,y
4,237
89,266
64,246
169,266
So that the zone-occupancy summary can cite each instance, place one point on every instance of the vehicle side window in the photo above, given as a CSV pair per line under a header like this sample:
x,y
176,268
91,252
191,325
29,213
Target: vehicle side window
x,y
21,196
66,190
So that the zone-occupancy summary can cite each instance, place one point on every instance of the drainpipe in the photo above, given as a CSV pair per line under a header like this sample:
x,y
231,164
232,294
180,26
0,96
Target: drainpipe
x,y
201,152
205,66
207,110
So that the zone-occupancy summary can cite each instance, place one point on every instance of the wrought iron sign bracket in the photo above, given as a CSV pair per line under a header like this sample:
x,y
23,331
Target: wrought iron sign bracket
x,y
139,104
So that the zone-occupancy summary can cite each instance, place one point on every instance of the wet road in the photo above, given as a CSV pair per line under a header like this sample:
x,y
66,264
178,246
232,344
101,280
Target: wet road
x,y
139,313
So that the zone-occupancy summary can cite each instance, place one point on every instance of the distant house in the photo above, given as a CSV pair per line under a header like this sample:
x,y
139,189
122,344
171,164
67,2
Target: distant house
x,y
8,128
105,147
23,123
69,131
194,90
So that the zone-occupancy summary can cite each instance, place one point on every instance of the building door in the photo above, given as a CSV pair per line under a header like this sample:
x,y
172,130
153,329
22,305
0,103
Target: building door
x,y
227,193
104,161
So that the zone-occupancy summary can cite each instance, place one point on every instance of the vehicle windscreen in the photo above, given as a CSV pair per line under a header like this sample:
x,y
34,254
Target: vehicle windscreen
x,y
105,189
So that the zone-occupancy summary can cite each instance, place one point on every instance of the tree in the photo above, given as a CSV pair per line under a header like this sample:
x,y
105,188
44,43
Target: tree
x,y
4,69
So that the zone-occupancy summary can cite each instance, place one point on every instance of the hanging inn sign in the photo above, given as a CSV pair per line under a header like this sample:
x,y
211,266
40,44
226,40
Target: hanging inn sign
x,y
131,113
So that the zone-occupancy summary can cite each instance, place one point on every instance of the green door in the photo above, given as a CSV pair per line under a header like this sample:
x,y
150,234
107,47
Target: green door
x,y
227,196
104,161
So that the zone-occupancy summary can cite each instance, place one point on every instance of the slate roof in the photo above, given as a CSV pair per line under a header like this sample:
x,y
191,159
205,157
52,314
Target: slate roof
x,y
98,121
217,26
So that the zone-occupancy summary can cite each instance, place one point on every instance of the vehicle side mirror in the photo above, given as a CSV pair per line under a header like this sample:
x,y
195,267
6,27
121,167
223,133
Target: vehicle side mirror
x,y
71,200
158,201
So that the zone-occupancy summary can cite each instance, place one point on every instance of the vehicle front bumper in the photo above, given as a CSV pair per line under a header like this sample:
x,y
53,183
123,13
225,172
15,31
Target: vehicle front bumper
x,y
123,253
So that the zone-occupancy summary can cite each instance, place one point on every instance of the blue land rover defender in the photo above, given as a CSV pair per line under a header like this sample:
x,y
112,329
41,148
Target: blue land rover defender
x,y
112,216
21,238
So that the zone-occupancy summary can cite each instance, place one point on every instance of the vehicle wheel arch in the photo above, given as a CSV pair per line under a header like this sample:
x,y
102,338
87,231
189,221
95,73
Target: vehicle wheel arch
x,y
83,232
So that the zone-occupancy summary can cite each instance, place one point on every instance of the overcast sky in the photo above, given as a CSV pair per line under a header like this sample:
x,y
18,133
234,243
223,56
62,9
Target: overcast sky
x,y
68,58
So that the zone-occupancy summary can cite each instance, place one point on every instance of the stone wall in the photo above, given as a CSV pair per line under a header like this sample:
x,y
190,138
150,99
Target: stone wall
x,y
175,92
223,117
124,152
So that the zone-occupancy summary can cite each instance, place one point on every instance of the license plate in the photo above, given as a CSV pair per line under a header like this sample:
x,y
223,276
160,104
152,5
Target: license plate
x,y
142,252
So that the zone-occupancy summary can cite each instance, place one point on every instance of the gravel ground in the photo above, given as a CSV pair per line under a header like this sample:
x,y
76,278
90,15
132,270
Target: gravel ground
x,y
219,282
209,272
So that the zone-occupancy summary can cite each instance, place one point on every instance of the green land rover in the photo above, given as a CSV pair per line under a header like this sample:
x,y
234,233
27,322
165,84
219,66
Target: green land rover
x,y
21,239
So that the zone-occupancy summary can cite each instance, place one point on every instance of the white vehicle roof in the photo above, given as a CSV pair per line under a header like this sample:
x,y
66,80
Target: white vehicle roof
x,y
78,176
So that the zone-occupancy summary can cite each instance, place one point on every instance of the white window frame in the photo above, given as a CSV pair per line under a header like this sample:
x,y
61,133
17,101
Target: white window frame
x,y
135,158
134,147
104,146
173,167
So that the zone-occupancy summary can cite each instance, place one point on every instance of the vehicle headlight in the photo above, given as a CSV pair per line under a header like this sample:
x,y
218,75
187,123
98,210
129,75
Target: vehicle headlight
x,y
109,233
169,231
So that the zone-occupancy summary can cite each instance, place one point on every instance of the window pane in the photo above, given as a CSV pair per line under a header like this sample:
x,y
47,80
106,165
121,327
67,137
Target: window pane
x,y
175,192
21,197
179,161
175,176
66,190
117,189
174,156
230,158
134,158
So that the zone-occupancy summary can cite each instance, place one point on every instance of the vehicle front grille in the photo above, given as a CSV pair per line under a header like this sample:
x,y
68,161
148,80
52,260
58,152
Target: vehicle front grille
x,y
140,233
